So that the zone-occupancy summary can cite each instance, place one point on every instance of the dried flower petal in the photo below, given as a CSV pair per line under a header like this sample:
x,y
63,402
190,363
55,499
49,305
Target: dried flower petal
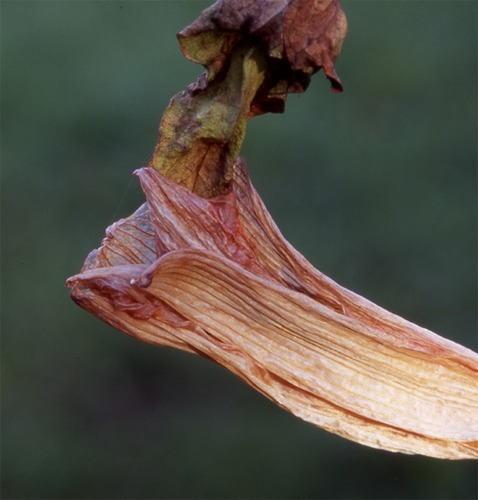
x,y
202,267
216,277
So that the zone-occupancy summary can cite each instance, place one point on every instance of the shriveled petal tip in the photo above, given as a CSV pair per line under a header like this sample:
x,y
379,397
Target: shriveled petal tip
x,y
127,241
216,277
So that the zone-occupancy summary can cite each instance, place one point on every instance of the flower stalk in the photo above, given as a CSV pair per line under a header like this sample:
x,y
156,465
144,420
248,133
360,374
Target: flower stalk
x,y
202,267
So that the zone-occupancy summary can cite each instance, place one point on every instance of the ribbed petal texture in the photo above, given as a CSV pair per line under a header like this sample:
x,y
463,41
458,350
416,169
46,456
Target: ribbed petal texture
x,y
216,277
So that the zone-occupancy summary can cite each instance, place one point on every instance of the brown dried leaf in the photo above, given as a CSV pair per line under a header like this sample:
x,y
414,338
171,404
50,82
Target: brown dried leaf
x,y
314,31
300,37
255,53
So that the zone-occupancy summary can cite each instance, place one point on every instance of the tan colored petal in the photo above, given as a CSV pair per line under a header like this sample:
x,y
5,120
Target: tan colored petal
x,y
128,241
322,366
225,284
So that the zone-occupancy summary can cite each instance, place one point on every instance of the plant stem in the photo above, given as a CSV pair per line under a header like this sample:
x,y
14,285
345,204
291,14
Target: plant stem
x,y
203,128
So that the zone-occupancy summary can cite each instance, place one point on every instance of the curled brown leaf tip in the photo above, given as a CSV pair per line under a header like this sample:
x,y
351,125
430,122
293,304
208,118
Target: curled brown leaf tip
x,y
313,35
300,37
256,53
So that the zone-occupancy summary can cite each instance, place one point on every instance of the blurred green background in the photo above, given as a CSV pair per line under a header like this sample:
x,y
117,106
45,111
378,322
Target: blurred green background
x,y
376,186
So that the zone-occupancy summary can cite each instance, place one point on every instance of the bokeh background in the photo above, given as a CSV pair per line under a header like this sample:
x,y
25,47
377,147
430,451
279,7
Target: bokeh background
x,y
376,186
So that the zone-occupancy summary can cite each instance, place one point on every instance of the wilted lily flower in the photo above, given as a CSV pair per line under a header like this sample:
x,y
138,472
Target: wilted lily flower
x,y
202,267
215,277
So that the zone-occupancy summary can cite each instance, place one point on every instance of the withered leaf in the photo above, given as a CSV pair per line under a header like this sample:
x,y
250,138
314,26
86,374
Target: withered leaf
x,y
302,36
314,31
255,54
